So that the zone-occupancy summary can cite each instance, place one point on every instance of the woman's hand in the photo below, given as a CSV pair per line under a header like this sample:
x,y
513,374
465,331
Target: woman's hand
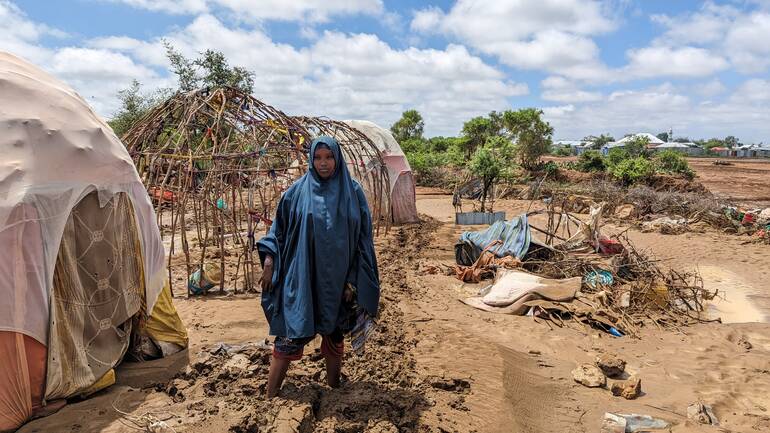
x,y
267,274
348,293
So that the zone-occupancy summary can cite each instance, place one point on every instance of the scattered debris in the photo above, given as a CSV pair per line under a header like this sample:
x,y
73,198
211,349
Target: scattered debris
x,y
589,375
631,423
702,414
611,365
666,226
629,389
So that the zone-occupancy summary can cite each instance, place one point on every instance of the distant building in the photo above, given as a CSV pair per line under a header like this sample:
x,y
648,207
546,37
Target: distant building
x,y
753,151
652,142
690,149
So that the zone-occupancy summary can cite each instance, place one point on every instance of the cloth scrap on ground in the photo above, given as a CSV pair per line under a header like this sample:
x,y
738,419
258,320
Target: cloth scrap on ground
x,y
512,289
514,237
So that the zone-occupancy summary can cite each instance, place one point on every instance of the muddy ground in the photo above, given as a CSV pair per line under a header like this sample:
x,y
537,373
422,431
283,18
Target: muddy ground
x,y
436,365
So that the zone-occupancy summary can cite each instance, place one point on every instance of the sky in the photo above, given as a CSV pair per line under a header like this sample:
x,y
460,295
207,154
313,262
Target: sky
x,y
592,66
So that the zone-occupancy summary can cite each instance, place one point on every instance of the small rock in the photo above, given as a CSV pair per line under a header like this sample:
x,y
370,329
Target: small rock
x,y
702,414
611,365
589,375
628,389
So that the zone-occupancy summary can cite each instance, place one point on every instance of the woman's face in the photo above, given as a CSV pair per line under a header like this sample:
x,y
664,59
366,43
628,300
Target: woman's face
x,y
323,162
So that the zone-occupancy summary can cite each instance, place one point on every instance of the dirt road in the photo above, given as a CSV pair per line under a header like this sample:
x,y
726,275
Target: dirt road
x,y
436,365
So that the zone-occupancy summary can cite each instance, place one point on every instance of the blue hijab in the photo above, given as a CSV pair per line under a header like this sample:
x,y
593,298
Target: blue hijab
x,y
320,240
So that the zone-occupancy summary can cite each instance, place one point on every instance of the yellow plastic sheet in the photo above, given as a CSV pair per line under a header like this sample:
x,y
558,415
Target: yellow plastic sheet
x,y
164,323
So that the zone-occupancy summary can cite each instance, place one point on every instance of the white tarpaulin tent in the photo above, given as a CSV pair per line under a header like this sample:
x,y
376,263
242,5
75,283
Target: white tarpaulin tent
x,y
82,253
402,187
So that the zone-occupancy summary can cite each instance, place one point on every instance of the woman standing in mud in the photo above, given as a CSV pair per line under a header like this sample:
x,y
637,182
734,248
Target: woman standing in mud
x,y
319,267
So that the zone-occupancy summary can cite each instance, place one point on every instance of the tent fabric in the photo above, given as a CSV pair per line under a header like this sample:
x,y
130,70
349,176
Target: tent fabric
x,y
22,378
513,238
56,151
402,187
97,289
165,326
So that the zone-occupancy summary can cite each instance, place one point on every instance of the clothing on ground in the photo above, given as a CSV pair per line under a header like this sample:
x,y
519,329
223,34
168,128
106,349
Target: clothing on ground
x,y
514,237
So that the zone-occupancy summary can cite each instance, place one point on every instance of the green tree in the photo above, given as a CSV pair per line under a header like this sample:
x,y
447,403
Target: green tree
x,y
476,132
663,136
414,145
211,69
533,135
491,162
134,104
598,142
409,126
731,142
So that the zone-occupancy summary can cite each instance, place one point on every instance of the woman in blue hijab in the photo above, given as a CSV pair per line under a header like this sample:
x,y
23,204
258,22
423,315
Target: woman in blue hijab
x,y
320,270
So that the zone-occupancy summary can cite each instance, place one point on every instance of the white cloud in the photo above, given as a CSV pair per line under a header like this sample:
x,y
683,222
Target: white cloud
x,y
745,114
739,35
710,89
97,74
560,89
754,91
338,75
551,35
747,42
678,62
427,20
187,7
20,35
286,10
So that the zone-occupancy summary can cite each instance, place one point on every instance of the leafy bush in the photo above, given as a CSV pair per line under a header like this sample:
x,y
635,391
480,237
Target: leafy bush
x,y
591,160
426,167
673,162
550,168
616,156
633,170
562,151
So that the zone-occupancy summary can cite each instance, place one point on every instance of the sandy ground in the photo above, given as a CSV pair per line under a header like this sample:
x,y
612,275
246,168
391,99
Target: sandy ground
x,y
436,365
746,180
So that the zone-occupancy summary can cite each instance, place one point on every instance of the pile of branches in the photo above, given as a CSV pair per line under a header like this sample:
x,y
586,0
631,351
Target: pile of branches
x,y
640,291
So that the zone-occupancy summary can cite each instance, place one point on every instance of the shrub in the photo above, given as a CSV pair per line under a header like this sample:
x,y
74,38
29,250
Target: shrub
x,y
633,170
673,162
591,160
426,167
550,168
616,156
563,151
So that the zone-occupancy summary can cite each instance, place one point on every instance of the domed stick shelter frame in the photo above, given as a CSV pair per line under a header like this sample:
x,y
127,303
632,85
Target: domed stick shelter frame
x,y
364,161
215,162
